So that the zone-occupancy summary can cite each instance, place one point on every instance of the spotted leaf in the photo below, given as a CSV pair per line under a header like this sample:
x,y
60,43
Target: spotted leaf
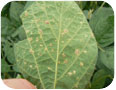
x,y
60,49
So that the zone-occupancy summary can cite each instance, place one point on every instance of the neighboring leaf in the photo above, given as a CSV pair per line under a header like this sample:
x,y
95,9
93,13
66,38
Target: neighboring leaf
x,y
15,10
9,52
102,24
6,27
21,34
60,50
106,59
4,66
99,79
5,10
81,4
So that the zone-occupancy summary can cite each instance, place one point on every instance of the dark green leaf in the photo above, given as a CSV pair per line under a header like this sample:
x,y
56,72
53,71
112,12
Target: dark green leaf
x,y
99,79
4,66
9,52
106,59
15,10
6,28
102,24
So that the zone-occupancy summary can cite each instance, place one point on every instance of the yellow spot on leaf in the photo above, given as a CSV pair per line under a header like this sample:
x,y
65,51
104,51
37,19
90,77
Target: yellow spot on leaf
x,y
30,66
27,31
74,72
41,45
51,44
63,55
85,51
25,63
49,68
81,64
70,73
26,14
46,49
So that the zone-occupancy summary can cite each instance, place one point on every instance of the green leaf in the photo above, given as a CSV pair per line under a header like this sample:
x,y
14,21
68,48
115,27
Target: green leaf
x,y
60,49
4,66
99,79
21,33
9,52
15,10
106,59
102,24
6,28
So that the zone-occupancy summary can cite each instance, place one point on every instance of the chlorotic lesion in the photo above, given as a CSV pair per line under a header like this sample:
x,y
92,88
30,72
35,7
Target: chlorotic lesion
x,y
63,55
46,49
81,64
70,73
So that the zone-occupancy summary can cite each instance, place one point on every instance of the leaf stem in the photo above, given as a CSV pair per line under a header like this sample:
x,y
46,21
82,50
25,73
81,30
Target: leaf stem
x,y
102,5
100,48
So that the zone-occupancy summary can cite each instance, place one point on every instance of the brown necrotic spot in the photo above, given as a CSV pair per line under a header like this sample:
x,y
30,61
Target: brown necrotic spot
x,y
65,61
64,32
31,51
30,39
47,22
77,52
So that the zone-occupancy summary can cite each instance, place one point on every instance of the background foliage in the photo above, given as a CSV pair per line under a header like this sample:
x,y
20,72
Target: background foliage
x,y
99,15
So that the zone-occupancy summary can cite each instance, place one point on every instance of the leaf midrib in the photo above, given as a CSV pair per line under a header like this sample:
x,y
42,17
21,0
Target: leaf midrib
x,y
58,45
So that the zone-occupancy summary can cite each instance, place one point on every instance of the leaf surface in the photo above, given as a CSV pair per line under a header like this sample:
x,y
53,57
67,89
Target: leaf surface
x,y
15,10
102,24
60,46
106,59
99,79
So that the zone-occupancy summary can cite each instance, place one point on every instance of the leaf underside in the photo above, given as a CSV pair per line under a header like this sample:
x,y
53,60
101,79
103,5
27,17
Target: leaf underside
x,y
60,48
